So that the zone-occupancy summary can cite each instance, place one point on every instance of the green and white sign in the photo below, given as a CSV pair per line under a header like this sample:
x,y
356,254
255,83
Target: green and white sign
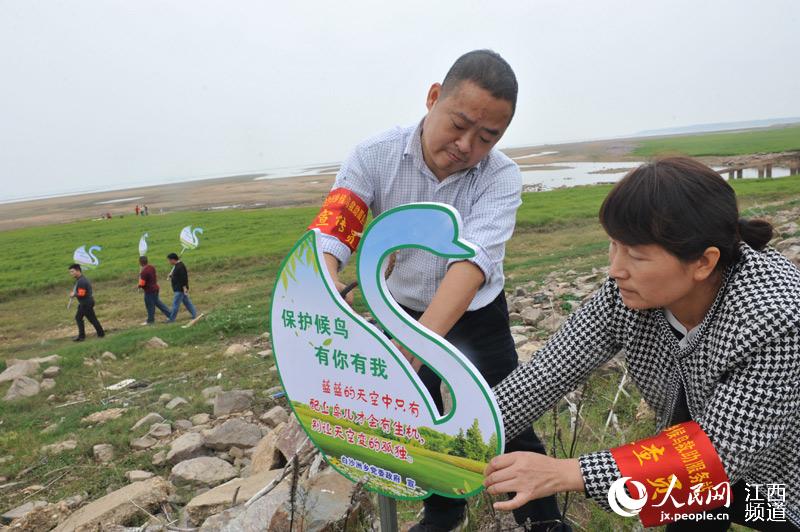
x,y
352,390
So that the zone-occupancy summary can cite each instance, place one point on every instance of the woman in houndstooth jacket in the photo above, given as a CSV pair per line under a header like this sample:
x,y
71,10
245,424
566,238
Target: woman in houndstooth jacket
x,y
708,318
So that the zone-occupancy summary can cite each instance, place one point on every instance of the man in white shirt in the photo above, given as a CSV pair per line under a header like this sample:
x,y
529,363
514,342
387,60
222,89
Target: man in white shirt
x,y
448,157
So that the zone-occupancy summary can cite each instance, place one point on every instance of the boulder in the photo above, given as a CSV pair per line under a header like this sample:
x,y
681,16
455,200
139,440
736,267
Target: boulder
x,y
51,372
47,384
145,442
137,475
275,416
22,387
23,368
531,315
120,506
148,420
21,511
160,430
255,518
103,452
156,343
233,401
108,355
266,455
185,447
200,419
293,440
218,499
235,349
98,418
60,447
211,392
205,471
177,402
183,424
234,432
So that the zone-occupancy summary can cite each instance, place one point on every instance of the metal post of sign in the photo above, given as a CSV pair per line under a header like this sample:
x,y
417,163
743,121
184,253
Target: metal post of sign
x,y
388,512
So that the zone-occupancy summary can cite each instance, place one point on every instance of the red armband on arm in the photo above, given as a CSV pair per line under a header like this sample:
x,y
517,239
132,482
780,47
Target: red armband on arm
x,y
81,292
343,215
142,283
675,471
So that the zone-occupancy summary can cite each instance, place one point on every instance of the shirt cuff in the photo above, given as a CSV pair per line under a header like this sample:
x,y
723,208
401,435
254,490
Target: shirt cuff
x,y
599,472
331,244
482,261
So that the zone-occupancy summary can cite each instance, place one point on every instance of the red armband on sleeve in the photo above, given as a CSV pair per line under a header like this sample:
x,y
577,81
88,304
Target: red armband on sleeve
x,y
675,471
81,292
141,283
343,215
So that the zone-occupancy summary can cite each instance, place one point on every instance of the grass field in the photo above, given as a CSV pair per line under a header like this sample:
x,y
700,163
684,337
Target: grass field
x,y
232,275
769,140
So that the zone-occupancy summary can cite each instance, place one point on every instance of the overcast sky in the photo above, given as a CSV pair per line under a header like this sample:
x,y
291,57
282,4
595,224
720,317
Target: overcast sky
x,y
108,93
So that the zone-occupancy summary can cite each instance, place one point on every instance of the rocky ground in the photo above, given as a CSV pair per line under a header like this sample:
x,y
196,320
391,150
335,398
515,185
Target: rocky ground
x,y
247,466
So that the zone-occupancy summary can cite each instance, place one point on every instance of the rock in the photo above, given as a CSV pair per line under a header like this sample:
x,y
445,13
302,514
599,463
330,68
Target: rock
x,y
265,353
519,339
266,455
145,442
22,387
44,361
60,447
160,430
327,504
185,447
98,418
120,506
51,372
43,517
21,511
183,424
552,322
156,343
234,432
520,291
220,498
526,351
293,440
159,459
531,315
255,518
200,419
275,416
205,471
165,398
137,475
47,384
108,355
233,401
223,520
103,452
22,368
211,392
235,349
149,419
177,402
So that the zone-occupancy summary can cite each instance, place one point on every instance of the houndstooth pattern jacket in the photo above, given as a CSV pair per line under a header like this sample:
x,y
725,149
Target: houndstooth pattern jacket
x,y
741,372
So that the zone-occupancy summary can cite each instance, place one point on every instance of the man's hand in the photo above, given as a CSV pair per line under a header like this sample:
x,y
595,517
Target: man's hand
x,y
414,361
72,294
531,476
186,290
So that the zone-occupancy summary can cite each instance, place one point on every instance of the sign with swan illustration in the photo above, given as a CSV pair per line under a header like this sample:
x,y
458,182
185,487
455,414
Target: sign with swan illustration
x,y
189,238
354,393
87,259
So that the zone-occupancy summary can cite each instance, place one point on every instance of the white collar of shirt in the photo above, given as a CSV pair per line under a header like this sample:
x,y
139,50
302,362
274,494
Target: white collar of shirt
x,y
414,149
688,334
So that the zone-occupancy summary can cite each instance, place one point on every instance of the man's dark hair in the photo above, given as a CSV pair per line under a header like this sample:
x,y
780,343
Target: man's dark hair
x,y
486,69
75,267
173,256
683,206
143,260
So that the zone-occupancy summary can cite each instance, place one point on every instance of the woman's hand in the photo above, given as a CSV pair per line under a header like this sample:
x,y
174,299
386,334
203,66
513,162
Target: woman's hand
x,y
531,476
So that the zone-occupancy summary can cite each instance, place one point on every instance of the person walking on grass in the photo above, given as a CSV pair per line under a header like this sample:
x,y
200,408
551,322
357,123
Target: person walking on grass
x,y
179,277
83,292
148,283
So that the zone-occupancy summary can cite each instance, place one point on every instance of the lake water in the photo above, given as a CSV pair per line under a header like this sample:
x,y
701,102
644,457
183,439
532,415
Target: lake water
x,y
556,175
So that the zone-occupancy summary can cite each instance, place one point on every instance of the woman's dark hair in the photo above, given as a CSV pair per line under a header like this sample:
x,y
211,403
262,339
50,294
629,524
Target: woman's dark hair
x,y
683,206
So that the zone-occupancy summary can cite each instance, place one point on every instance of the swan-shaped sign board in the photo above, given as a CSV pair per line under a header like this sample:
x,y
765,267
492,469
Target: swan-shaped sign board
x,y
354,393
189,239
86,259
143,245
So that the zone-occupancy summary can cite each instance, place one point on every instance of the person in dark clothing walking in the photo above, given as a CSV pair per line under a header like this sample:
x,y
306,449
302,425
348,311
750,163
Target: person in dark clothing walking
x,y
180,287
148,283
83,292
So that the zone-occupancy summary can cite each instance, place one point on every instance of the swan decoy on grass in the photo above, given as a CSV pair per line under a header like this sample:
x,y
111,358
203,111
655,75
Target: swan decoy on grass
x,y
86,259
352,390
189,239
143,245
